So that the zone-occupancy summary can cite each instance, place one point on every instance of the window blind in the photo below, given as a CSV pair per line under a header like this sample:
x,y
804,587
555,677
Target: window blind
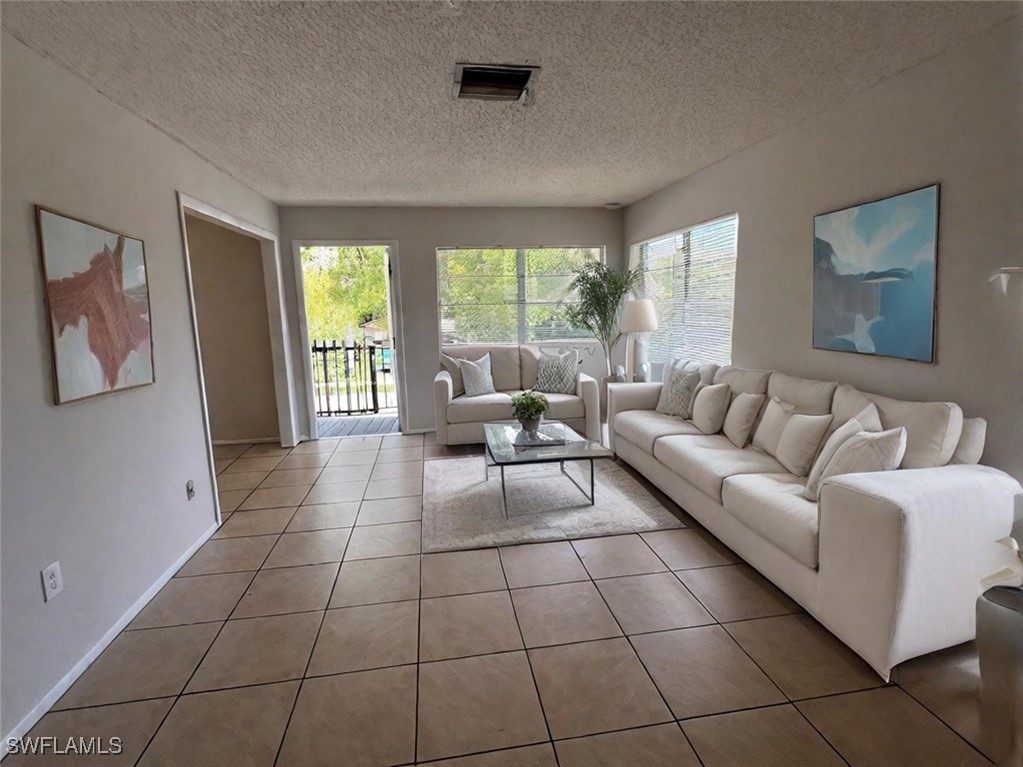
x,y
690,277
507,295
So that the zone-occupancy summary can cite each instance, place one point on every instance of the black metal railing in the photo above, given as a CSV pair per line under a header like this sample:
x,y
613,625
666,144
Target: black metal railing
x,y
350,380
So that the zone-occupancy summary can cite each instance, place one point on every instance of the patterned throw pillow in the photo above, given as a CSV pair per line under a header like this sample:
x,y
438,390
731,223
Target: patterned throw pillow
x,y
679,390
476,376
556,373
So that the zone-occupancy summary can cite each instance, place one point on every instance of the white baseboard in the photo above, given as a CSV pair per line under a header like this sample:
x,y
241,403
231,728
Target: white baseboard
x,y
253,441
79,668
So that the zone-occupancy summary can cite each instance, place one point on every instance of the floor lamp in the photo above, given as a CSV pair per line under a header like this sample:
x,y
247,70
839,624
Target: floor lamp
x,y
638,316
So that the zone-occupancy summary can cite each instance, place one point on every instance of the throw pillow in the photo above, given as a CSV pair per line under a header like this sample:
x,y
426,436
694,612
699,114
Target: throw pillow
x,y
771,425
450,364
971,444
850,428
680,391
710,407
741,416
557,373
868,451
476,376
669,370
799,441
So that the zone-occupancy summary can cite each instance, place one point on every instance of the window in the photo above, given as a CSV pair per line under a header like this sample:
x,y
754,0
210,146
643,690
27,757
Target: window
x,y
507,295
690,277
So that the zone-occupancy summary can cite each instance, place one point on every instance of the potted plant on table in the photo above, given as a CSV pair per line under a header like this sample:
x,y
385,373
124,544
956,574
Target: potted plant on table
x,y
529,408
602,292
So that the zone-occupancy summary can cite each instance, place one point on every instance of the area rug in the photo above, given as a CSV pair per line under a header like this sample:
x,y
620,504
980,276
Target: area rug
x,y
462,510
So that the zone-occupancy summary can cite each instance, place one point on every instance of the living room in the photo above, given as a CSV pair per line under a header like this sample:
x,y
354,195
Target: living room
x,y
633,631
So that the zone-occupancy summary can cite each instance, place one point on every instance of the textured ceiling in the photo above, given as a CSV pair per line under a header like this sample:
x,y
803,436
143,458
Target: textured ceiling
x,y
350,103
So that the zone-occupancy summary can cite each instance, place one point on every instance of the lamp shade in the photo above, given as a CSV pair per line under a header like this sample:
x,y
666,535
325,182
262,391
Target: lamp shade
x,y
639,316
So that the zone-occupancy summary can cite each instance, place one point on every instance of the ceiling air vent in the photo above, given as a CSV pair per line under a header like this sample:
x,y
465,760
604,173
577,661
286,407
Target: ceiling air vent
x,y
489,82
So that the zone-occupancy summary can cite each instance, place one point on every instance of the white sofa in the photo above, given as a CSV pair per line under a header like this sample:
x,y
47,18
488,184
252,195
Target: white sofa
x,y
889,562
459,419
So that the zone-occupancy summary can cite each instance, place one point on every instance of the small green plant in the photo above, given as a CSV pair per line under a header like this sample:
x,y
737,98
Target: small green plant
x,y
530,404
602,291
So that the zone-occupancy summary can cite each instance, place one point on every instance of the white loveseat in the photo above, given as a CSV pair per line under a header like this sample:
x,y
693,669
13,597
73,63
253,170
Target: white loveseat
x,y
889,562
459,419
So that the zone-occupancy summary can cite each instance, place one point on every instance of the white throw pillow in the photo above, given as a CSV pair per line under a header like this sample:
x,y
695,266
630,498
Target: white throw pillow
x,y
799,441
476,376
971,444
868,451
741,416
710,407
771,426
557,373
867,420
679,390
450,364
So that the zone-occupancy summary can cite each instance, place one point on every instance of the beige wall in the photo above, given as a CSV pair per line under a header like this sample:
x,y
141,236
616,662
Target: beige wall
x,y
98,485
957,120
234,332
419,232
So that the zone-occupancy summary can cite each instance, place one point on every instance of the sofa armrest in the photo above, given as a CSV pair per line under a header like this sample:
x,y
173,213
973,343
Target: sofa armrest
x,y
587,389
902,554
443,389
629,396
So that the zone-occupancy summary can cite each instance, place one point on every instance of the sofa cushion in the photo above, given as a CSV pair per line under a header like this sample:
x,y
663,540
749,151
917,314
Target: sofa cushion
x,y
932,429
504,362
644,427
529,361
806,395
710,407
748,381
705,460
742,414
773,506
848,403
487,407
565,406
971,444
476,376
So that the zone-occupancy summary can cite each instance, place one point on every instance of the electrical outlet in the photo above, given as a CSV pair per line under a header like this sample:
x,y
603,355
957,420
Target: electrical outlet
x,y
53,583
190,489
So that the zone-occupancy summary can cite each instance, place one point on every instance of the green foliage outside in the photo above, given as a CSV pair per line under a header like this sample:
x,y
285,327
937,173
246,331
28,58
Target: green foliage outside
x,y
344,286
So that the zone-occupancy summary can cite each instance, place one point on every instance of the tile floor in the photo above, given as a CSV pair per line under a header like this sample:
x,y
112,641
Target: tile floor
x,y
310,630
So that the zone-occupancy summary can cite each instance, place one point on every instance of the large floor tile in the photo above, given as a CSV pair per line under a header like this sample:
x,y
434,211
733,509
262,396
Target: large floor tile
x,y
152,663
371,636
776,736
401,487
701,671
802,657
229,451
595,687
132,723
291,477
253,464
393,540
391,441
324,445
287,590
398,455
358,444
231,499
542,564
567,612
323,517
200,599
219,464
686,549
401,470
257,522
887,727
305,460
663,745
469,624
540,755
652,603
333,474
477,704
383,511
353,458
258,650
365,718
266,450
617,555
737,592
370,581
335,492
275,497
462,572
229,555
211,729
242,480
309,548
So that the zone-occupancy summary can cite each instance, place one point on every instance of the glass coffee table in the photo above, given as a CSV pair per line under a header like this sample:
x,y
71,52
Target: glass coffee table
x,y
506,446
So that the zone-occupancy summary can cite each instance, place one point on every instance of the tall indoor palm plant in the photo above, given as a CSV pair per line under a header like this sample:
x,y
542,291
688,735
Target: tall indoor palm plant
x,y
602,292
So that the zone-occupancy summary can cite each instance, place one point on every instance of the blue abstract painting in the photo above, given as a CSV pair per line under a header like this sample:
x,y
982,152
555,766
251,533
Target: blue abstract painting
x,y
874,268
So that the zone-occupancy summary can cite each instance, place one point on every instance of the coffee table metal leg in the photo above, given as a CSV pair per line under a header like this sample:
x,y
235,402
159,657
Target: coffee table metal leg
x,y
504,496
593,496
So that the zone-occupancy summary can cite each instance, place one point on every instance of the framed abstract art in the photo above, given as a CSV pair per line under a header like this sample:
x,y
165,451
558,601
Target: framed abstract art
x,y
875,277
97,298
